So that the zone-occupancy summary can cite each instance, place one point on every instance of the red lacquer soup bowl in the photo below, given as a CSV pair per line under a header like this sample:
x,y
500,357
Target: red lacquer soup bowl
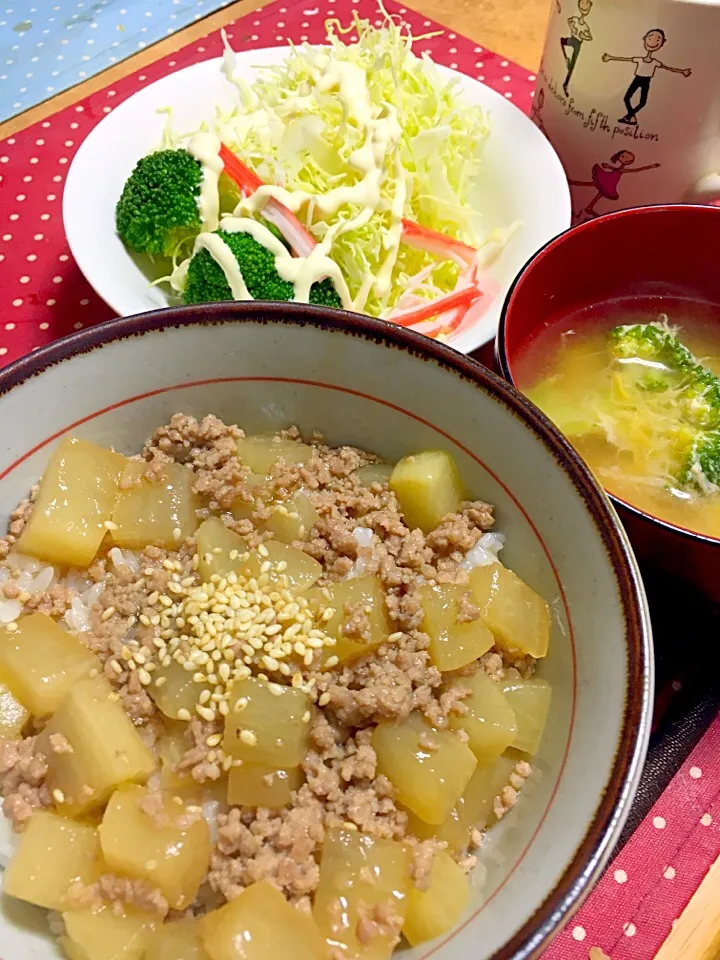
x,y
653,257
367,383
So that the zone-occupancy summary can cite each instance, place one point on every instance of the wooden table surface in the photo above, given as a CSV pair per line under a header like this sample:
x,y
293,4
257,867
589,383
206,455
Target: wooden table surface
x,y
515,28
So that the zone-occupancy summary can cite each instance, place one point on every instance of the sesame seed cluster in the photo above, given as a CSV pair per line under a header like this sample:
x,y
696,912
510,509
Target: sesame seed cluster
x,y
230,628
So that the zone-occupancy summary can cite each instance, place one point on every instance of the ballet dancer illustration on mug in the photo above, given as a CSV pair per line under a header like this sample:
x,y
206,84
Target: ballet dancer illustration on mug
x,y
606,179
579,34
537,108
645,69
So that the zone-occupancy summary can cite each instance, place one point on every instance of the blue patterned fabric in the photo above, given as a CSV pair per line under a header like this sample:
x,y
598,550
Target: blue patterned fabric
x,y
49,45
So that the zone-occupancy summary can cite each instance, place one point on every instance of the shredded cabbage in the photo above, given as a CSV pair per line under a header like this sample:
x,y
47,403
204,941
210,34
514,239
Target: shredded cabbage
x,y
361,133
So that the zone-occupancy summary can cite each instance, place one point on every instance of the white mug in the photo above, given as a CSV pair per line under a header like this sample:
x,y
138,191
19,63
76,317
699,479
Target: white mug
x,y
629,95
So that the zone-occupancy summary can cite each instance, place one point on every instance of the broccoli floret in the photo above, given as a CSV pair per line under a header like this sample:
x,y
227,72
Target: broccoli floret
x,y
324,294
700,398
701,465
650,341
206,280
158,208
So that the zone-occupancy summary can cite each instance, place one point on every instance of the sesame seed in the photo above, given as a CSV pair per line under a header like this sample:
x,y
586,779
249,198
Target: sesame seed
x,y
332,662
324,699
161,681
58,796
144,677
110,525
115,666
248,738
263,550
177,533
107,613
11,627
306,717
205,712
184,714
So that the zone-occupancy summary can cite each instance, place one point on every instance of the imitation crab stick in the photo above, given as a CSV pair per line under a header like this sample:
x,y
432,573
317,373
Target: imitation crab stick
x,y
275,212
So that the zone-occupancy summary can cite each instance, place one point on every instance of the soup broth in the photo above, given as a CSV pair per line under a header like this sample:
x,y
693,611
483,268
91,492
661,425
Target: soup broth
x,y
632,427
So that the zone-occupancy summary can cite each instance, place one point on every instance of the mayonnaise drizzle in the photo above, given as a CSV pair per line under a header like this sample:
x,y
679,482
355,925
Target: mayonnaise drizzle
x,y
205,148
225,259
382,134
302,272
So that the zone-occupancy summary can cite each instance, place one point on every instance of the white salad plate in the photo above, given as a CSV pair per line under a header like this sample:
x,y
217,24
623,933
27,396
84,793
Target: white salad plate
x,y
522,180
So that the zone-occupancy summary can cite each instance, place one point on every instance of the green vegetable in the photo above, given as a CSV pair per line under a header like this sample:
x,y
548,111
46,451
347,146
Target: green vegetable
x,y
698,388
694,397
651,342
300,128
206,281
701,465
158,208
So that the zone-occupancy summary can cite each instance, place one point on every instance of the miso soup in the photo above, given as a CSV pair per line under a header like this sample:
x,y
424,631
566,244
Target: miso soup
x,y
634,385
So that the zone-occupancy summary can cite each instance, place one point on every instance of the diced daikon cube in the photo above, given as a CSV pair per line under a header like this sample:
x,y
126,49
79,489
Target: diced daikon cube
x,y
260,924
255,785
428,487
168,847
105,935
357,875
76,499
159,511
429,768
268,724
53,853
42,662
517,616
364,597
489,721
530,700
434,911
452,644
105,752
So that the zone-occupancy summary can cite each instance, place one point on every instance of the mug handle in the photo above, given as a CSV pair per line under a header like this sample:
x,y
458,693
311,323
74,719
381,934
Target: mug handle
x,y
706,191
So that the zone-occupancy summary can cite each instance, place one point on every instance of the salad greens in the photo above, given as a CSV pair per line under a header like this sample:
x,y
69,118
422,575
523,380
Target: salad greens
x,y
357,140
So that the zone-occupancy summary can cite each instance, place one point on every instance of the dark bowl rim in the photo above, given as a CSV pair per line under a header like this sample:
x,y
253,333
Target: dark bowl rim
x,y
595,848
501,351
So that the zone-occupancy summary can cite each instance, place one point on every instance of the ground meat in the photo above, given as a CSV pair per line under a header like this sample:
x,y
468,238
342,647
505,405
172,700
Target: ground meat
x,y
195,760
18,519
59,743
379,920
119,893
509,794
423,855
467,611
209,446
356,625
342,787
22,780
263,844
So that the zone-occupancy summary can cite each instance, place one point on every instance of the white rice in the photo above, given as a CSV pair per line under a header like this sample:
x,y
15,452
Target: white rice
x,y
210,812
9,841
124,558
484,552
364,538
77,617
10,610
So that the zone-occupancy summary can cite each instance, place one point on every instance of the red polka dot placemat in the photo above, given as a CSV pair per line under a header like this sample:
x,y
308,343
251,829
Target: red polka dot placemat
x,y
43,294
646,888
